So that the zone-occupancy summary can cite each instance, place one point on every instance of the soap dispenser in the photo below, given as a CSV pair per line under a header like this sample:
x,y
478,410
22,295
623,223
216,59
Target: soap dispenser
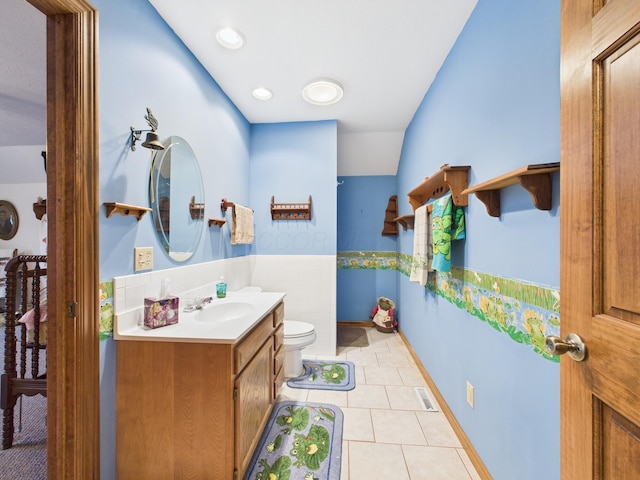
x,y
221,288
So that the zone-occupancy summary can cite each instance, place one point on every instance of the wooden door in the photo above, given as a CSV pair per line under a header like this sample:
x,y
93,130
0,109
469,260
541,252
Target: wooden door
x,y
600,238
253,402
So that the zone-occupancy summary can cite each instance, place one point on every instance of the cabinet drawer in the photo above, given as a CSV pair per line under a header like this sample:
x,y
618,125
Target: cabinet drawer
x,y
278,337
248,347
278,315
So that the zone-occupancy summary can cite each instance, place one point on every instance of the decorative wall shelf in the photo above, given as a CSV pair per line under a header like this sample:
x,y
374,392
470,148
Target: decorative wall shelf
x,y
455,179
196,210
218,222
40,208
535,179
390,227
290,211
406,221
124,209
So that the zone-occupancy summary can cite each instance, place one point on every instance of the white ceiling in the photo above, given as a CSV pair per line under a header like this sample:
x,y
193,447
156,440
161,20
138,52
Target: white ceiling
x,y
385,53
23,94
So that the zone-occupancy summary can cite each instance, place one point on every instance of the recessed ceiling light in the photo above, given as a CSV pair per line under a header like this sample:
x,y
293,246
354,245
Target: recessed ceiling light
x,y
262,93
322,91
230,38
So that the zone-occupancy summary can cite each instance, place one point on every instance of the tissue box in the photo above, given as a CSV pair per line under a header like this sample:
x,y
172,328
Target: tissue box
x,y
160,313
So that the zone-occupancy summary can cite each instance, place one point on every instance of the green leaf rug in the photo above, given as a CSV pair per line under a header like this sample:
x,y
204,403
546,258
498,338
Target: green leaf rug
x,y
325,375
301,441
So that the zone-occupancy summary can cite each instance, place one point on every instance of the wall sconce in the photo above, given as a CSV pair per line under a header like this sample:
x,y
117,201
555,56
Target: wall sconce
x,y
153,139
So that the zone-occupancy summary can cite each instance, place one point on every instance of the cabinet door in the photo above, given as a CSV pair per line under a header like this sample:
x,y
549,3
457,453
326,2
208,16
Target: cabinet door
x,y
253,403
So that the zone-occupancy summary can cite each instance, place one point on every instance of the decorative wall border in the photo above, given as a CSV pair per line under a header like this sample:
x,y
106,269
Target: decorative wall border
x,y
525,311
106,310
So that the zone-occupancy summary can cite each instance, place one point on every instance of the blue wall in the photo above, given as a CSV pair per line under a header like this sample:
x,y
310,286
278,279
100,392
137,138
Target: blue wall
x,y
362,202
495,106
143,64
291,161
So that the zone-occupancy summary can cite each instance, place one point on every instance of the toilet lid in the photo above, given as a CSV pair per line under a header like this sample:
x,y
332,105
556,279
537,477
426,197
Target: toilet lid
x,y
293,329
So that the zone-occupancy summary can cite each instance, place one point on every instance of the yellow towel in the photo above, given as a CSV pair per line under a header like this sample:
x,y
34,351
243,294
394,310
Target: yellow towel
x,y
242,225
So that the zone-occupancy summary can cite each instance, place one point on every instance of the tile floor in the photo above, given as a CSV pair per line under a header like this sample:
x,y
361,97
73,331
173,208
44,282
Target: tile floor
x,y
387,433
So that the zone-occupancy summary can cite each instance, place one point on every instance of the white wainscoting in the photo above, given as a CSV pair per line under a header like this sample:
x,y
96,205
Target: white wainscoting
x,y
308,280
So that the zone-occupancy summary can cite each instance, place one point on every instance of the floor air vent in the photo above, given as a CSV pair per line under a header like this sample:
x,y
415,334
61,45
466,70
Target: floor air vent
x,y
427,402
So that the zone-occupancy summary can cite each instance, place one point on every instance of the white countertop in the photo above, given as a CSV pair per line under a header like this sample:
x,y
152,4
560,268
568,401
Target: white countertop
x,y
202,326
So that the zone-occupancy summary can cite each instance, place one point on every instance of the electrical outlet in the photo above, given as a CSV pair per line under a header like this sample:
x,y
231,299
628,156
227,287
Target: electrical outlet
x,y
470,394
142,258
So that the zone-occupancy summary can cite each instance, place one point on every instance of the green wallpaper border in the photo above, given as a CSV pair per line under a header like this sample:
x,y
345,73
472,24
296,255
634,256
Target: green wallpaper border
x,y
106,310
525,311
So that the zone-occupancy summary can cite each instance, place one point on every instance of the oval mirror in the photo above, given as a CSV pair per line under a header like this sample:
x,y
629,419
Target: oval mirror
x,y
176,195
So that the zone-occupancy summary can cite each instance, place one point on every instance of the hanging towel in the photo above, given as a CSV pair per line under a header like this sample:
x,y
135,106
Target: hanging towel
x,y
422,246
447,224
242,225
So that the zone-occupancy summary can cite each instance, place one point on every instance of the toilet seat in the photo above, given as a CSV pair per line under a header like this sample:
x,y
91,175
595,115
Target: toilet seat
x,y
296,329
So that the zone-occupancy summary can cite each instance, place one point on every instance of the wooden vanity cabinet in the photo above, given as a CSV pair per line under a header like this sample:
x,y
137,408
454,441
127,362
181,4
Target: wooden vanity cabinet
x,y
195,410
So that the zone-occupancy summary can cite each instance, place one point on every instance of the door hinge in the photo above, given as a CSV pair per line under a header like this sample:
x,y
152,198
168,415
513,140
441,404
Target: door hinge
x,y
235,393
71,309
235,475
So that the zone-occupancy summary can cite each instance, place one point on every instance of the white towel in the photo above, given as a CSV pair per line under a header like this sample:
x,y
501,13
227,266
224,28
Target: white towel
x,y
242,225
422,247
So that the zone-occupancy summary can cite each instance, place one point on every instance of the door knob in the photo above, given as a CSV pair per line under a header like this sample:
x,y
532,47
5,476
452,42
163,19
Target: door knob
x,y
572,344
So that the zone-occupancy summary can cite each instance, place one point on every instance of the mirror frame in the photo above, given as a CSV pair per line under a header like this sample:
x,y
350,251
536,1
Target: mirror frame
x,y
194,188
13,217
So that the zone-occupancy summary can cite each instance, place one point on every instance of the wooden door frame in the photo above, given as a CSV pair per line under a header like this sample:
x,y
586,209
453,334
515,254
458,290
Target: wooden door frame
x,y
73,390
576,219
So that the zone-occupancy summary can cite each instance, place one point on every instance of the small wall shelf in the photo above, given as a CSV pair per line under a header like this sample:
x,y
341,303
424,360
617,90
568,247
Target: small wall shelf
x,y
406,221
536,179
218,222
455,179
124,209
390,227
196,210
290,211
40,208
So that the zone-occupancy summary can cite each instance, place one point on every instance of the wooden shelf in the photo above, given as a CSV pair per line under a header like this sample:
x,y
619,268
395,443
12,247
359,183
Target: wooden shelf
x,y
218,222
390,227
454,179
124,209
406,221
40,208
535,179
290,211
196,210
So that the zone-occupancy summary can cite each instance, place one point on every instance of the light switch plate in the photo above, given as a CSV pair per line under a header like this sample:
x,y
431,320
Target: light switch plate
x,y
142,258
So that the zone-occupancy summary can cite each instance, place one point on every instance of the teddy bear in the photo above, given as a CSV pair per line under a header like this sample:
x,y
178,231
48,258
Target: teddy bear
x,y
383,315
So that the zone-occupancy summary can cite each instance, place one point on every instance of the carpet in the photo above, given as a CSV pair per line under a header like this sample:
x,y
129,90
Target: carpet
x,y
301,441
352,337
28,456
325,375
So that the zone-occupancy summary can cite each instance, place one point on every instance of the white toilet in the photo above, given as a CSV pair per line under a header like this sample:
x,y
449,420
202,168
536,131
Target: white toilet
x,y
297,335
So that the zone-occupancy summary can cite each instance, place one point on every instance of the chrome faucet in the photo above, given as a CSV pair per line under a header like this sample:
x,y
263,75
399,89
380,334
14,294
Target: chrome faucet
x,y
198,303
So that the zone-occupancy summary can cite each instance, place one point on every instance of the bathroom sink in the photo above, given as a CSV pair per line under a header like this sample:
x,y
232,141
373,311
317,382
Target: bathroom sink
x,y
221,310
